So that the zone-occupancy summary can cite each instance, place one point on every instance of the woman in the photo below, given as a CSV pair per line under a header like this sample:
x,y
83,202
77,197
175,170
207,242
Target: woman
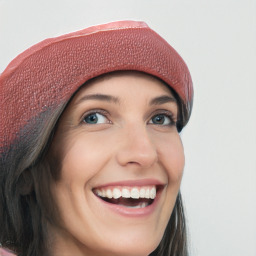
x,y
91,158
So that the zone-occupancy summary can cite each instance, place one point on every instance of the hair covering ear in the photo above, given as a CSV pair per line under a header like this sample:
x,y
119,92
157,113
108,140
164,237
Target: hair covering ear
x,y
25,183
49,73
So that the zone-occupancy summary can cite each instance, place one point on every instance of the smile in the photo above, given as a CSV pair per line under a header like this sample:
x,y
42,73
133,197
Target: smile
x,y
129,197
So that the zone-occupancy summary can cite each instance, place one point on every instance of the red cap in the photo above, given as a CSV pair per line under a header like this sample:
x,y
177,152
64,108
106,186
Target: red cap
x,y
48,73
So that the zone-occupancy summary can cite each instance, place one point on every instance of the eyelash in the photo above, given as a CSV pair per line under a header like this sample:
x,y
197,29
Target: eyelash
x,y
95,111
104,113
164,113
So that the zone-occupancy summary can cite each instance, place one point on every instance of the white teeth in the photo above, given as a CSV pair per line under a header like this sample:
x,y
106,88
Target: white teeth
x,y
142,192
135,192
126,193
98,192
109,193
142,205
116,193
147,193
152,193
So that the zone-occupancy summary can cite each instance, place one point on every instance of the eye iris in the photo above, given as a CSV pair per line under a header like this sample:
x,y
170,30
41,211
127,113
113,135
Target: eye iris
x,y
159,119
91,119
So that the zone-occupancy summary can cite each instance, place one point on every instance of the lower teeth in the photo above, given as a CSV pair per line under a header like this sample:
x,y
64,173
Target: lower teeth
x,y
142,205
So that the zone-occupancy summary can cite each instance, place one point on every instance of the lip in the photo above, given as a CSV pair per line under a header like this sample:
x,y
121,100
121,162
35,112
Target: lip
x,y
133,212
132,183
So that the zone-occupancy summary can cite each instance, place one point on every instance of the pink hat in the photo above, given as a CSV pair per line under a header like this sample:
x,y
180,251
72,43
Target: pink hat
x,y
47,74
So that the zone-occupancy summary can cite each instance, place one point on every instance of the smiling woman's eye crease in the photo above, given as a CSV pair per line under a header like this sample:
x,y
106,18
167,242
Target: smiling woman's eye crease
x,y
92,160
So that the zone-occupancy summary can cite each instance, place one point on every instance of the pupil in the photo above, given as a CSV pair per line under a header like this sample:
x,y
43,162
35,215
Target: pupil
x,y
158,119
91,119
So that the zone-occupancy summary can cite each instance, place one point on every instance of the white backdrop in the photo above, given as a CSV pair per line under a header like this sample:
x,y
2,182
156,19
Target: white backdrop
x,y
217,39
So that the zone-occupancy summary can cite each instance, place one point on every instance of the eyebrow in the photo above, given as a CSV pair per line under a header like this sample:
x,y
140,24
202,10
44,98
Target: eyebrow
x,y
162,100
101,97
109,98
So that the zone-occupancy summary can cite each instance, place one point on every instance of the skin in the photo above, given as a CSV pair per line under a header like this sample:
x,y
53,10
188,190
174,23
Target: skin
x,y
126,143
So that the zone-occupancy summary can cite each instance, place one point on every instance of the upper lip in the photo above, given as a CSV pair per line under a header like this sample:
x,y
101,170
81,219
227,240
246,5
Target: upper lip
x,y
132,183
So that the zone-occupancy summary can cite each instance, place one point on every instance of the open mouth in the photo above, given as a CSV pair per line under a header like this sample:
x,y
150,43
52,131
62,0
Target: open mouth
x,y
130,197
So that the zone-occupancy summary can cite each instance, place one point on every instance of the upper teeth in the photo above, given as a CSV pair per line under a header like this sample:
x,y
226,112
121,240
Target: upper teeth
x,y
127,192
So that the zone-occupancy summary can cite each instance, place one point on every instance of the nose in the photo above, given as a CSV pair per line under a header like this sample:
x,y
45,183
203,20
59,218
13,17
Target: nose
x,y
136,147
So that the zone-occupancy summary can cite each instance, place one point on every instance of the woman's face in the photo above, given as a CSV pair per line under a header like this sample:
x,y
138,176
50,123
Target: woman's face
x,y
121,166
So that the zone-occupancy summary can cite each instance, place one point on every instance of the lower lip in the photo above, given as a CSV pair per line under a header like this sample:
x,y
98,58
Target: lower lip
x,y
132,212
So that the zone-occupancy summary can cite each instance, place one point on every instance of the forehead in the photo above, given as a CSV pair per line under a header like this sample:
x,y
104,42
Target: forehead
x,y
122,82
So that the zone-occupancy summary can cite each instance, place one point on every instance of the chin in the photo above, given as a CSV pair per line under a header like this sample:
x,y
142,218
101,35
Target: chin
x,y
132,244
131,249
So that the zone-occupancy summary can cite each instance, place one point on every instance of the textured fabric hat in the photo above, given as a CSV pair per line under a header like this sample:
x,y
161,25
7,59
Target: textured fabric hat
x,y
47,74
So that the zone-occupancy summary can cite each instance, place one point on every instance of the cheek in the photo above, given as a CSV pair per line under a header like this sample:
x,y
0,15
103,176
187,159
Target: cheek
x,y
83,158
171,154
171,157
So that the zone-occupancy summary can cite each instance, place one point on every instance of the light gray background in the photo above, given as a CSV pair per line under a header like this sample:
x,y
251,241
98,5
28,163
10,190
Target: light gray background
x,y
217,39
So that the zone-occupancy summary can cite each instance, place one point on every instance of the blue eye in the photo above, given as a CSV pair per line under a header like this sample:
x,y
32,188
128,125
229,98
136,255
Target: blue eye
x,y
161,119
95,118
